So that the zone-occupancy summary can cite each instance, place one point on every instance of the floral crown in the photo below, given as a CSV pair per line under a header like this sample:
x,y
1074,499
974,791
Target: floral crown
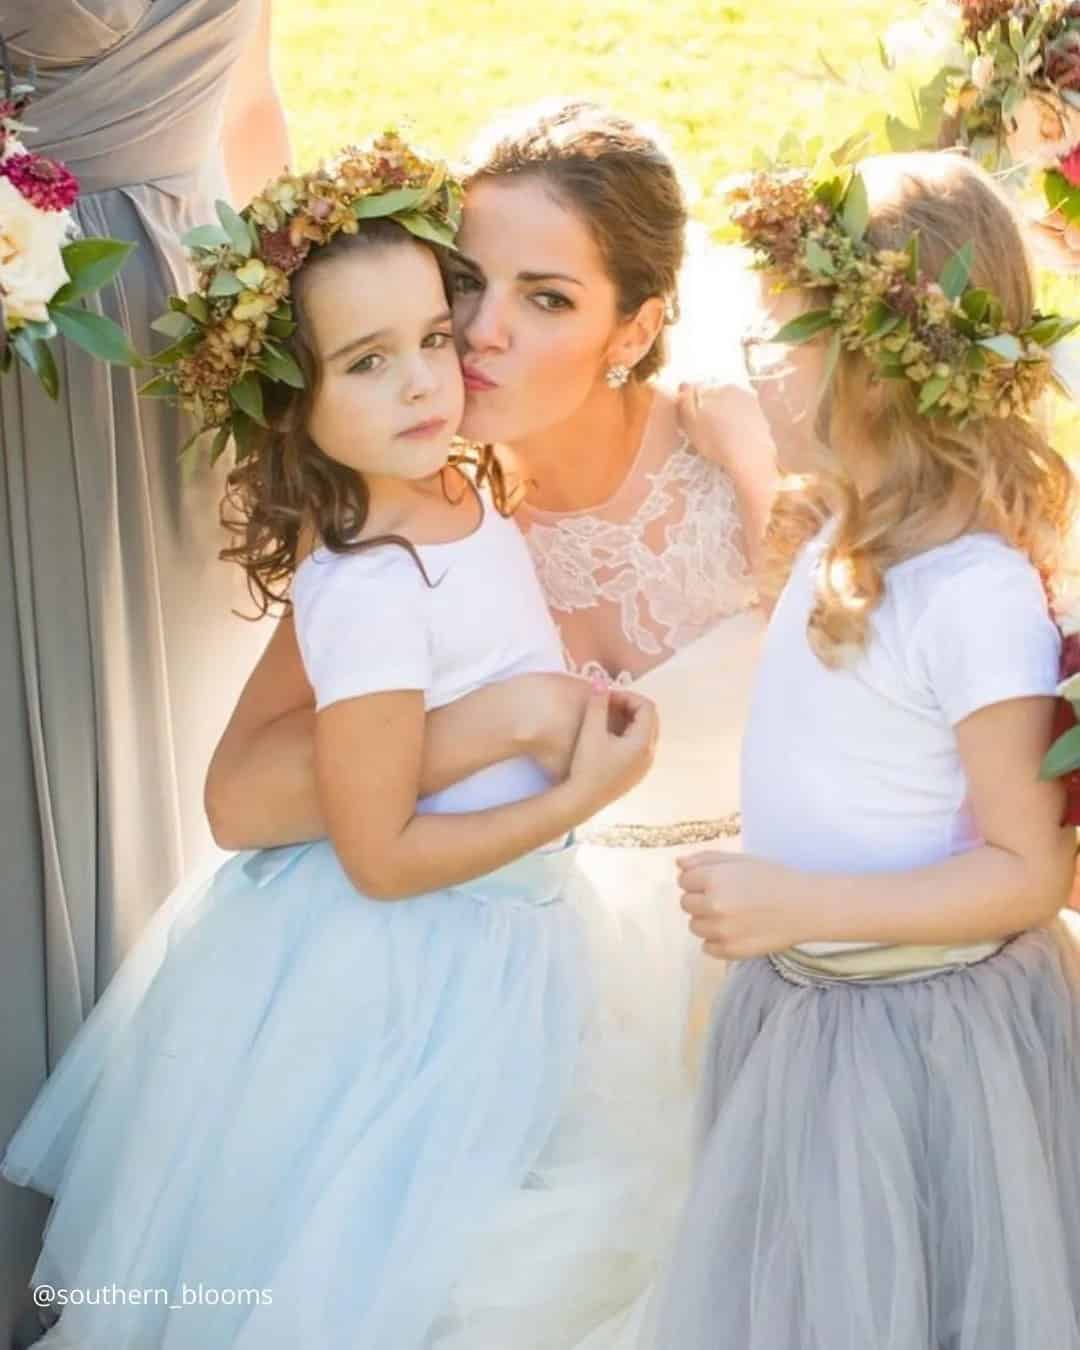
x,y
227,365
945,336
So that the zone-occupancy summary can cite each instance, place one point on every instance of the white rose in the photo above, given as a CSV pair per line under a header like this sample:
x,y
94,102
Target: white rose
x,y
931,40
1070,689
1044,131
31,267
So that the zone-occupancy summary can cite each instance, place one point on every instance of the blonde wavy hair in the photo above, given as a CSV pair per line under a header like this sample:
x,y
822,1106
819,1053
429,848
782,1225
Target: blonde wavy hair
x,y
1001,474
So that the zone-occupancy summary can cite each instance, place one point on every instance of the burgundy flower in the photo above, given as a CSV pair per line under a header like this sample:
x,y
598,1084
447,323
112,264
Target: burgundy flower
x,y
1070,166
277,248
1070,656
42,181
1065,720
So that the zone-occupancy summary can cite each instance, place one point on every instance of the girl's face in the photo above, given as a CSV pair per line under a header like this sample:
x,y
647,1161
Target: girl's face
x,y
390,397
538,325
788,380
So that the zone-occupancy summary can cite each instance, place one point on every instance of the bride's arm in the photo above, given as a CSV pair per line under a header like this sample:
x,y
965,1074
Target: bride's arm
x,y
261,788
724,422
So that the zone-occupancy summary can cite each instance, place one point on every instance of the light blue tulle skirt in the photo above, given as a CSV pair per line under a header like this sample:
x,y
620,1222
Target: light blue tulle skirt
x,y
298,1115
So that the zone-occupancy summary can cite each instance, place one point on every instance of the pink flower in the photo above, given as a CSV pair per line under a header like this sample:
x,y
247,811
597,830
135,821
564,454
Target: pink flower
x,y
48,185
1070,166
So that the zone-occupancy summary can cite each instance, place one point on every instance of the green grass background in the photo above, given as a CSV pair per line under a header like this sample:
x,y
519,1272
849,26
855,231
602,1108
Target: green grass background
x,y
720,79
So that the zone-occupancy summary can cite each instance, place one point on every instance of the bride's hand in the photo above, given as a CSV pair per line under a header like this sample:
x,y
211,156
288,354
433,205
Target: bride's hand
x,y
724,422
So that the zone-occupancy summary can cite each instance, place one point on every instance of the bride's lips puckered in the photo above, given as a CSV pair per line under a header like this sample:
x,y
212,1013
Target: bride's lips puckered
x,y
475,382
423,430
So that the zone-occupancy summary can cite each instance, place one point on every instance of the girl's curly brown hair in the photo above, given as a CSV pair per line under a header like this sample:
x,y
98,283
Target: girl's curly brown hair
x,y
286,490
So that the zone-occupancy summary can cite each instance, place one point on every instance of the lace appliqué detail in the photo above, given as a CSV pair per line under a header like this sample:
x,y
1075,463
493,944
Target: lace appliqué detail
x,y
673,569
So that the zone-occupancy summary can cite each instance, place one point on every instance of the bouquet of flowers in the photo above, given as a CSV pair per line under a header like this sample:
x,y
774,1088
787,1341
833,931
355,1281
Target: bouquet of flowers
x,y
1063,759
1007,87
45,273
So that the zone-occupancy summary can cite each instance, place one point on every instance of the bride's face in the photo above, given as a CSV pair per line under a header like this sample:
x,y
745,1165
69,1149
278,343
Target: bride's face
x,y
537,321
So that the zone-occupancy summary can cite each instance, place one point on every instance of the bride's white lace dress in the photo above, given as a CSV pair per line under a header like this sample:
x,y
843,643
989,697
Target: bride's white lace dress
x,y
653,588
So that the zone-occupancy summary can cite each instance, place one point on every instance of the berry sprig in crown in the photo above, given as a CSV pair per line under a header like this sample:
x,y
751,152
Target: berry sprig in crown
x,y
228,365
945,336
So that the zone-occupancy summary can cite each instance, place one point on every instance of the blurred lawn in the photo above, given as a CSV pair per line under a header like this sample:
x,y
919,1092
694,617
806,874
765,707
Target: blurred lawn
x,y
720,79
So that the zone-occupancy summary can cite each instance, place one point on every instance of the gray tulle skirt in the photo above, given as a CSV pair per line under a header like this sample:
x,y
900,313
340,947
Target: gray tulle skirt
x,y
887,1167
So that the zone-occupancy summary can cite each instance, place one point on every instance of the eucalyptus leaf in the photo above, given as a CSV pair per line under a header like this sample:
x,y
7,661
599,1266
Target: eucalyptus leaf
x,y
389,203
173,325
956,272
36,356
819,260
425,228
881,321
247,395
1063,756
280,366
804,327
205,236
159,387
975,304
931,392
244,433
90,264
198,308
96,334
168,356
856,209
1014,96
236,229
225,283
1004,345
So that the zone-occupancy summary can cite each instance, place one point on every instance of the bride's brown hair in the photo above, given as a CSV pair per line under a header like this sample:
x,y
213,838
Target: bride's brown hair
x,y
1003,470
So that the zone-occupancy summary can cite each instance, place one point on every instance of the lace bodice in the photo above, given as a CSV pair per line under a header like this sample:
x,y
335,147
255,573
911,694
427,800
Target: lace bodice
x,y
654,568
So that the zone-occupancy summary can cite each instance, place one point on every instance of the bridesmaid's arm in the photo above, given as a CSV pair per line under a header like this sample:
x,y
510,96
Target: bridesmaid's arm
x,y
261,789
255,133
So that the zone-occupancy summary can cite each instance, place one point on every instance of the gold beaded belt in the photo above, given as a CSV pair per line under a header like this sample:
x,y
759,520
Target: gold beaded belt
x,y
871,965
678,834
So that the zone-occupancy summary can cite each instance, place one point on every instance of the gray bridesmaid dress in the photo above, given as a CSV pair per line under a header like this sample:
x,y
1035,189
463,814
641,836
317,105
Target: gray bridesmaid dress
x,y
120,652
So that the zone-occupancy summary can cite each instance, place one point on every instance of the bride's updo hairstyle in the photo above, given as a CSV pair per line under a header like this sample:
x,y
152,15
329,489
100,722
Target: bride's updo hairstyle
x,y
617,179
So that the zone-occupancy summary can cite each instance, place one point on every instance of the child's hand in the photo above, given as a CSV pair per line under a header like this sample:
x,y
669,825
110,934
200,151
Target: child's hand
x,y
740,907
614,749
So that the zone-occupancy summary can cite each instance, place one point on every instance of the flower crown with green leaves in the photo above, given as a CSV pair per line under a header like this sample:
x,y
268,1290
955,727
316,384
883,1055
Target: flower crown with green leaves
x,y
227,364
945,336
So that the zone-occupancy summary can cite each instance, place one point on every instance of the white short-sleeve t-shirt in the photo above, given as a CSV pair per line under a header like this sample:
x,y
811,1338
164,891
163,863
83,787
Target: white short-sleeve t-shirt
x,y
857,769
369,622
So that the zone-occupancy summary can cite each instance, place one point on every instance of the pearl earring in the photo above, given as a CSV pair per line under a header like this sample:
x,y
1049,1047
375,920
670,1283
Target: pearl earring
x,y
617,376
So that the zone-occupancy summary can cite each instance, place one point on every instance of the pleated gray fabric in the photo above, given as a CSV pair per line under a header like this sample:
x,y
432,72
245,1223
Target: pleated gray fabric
x,y
120,654
887,1167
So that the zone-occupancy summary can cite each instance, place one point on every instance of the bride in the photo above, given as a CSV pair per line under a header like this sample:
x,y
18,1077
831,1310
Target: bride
x,y
574,224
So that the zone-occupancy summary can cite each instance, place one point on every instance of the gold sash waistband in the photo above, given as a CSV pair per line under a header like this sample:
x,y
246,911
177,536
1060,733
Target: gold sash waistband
x,y
872,964
679,834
